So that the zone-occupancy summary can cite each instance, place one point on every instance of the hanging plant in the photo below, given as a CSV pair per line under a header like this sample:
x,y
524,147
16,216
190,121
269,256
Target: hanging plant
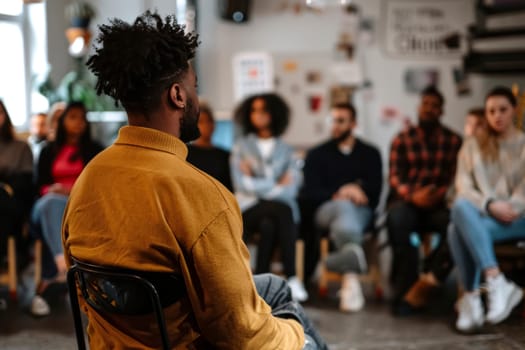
x,y
79,14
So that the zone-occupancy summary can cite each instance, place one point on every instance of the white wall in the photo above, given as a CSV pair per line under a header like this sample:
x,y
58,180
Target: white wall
x,y
277,31
281,31
57,44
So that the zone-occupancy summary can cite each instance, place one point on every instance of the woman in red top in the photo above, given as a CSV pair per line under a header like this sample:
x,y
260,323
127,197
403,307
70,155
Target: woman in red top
x,y
60,163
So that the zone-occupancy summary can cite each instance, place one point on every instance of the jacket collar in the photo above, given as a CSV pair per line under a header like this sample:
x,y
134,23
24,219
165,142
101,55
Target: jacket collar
x,y
151,138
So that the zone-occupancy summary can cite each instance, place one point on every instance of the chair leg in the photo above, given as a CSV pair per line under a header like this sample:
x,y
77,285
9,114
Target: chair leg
x,y
75,308
38,262
299,259
11,263
323,282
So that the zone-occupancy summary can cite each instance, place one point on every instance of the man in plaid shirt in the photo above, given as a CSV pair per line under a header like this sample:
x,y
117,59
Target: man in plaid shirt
x,y
422,168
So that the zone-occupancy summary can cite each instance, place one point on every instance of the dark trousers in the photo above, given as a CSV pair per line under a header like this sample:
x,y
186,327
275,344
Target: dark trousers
x,y
11,223
276,293
310,234
273,221
404,219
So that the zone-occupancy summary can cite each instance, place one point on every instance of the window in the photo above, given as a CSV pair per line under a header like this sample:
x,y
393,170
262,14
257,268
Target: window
x,y
12,61
11,7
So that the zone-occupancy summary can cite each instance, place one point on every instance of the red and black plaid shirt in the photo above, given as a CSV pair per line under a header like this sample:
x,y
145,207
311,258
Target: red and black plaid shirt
x,y
418,159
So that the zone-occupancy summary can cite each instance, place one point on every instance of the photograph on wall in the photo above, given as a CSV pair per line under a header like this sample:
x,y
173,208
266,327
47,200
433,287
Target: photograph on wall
x,y
341,94
315,102
252,74
461,81
417,79
314,77
423,29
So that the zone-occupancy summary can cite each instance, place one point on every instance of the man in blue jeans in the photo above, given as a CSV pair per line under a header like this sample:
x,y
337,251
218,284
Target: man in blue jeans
x,y
276,293
344,176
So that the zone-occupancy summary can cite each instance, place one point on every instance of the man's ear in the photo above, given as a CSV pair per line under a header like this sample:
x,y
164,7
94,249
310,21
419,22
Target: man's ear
x,y
177,96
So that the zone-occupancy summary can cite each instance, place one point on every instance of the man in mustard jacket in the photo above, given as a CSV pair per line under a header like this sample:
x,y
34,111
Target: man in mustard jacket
x,y
139,205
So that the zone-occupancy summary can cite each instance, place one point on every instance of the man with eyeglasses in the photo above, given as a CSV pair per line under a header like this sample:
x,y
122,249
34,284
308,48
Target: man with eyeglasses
x,y
344,176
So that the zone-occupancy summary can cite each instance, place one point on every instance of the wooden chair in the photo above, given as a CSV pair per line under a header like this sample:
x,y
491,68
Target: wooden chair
x,y
11,277
372,248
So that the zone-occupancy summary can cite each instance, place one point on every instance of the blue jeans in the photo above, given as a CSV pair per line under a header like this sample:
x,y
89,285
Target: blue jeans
x,y
345,221
46,220
471,238
276,293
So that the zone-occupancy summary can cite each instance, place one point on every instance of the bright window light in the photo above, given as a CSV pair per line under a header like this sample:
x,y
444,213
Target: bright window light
x,y
13,84
11,7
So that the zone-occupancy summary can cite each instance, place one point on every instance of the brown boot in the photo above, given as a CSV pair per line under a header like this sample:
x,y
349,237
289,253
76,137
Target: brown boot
x,y
420,293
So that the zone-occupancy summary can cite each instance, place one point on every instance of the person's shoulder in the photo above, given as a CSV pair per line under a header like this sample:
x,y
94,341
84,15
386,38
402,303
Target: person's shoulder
x,y
222,152
324,147
450,133
47,148
405,133
208,188
367,146
520,136
21,144
283,145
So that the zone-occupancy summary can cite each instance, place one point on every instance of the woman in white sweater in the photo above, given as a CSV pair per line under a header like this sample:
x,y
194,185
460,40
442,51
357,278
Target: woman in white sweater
x,y
489,208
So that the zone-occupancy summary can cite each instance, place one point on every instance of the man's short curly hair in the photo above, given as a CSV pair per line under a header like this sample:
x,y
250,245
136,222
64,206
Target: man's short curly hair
x,y
276,107
135,63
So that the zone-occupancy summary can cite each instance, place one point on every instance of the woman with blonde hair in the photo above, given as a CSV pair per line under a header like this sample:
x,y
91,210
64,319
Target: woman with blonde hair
x,y
489,208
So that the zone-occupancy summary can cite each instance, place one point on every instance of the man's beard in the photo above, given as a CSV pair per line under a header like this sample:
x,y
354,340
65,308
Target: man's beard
x,y
189,129
428,125
343,136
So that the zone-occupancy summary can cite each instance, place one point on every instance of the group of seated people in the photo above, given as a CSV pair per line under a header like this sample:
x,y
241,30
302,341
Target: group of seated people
x,y
36,178
471,193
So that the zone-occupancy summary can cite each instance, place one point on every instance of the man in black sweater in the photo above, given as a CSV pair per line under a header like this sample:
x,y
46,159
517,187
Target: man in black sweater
x,y
343,177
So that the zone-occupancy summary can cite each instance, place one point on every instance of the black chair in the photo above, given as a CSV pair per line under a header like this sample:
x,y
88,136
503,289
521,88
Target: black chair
x,y
124,292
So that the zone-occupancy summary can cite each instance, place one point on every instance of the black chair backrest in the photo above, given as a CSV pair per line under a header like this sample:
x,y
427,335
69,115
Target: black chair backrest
x,y
124,292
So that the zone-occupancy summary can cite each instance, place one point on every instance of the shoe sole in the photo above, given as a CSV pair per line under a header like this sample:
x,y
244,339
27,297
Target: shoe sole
x,y
514,300
352,309
474,330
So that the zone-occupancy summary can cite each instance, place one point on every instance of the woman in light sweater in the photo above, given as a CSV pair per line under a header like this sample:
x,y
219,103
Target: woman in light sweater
x,y
489,208
266,181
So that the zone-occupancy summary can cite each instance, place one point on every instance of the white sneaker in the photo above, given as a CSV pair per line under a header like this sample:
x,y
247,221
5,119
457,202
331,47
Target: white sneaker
x,y
470,312
299,293
39,306
351,294
503,296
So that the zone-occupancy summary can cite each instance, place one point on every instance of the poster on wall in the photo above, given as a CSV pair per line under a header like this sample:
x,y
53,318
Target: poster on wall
x,y
425,29
252,74
417,79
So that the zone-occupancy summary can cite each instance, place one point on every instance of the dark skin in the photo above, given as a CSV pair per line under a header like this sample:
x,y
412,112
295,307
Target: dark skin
x,y
262,120
206,127
430,110
167,116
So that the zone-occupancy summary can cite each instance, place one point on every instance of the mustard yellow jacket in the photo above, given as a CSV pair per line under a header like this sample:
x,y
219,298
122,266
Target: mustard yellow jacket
x,y
140,205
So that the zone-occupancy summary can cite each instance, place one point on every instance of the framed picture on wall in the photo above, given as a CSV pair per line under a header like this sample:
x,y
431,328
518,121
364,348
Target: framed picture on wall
x,y
252,74
425,29
417,79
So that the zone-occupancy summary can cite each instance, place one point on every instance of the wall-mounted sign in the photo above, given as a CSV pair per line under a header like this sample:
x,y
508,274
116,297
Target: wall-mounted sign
x,y
252,74
426,28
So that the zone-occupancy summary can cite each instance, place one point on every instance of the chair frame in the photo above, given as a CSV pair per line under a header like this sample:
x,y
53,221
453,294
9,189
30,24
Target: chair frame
x,y
75,277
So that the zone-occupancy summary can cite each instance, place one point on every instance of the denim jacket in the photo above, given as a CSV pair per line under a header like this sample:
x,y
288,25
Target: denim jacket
x,y
266,174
